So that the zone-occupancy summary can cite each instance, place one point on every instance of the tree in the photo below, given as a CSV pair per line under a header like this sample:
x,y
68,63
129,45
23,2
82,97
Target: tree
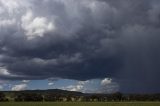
x,y
50,97
29,97
117,96
3,97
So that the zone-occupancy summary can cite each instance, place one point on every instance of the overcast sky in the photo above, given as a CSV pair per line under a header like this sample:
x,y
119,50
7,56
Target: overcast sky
x,y
80,45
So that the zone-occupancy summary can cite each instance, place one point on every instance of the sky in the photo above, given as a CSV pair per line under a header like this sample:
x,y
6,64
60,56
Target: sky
x,y
91,46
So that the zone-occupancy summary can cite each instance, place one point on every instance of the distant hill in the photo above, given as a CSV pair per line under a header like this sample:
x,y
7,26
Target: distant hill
x,y
64,95
52,91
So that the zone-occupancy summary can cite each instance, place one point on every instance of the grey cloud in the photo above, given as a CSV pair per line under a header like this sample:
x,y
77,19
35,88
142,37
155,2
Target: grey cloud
x,y
82,39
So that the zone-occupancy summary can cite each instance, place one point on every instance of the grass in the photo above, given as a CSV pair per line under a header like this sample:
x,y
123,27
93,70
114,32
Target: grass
x,y
80,104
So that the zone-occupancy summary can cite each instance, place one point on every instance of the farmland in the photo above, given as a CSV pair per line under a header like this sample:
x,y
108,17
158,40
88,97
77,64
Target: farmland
x,y
80,104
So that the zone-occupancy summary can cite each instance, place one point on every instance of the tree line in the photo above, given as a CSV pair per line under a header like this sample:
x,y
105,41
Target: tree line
x,y
52,97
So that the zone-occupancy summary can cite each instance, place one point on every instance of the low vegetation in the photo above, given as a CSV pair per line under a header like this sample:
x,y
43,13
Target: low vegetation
x,y
67,96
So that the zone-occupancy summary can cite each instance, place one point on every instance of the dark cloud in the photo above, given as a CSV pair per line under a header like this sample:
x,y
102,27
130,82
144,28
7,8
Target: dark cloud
x,y
82,39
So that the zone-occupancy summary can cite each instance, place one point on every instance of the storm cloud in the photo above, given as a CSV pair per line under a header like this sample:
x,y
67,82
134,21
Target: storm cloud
x,y
82,40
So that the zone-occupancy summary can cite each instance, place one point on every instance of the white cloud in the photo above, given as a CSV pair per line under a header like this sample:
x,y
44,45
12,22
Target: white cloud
x,y
25,81
83,82
19,87
106,81
4,72
7,22
10,5
36,26
13,6
79,86
106,85
50,83
74,88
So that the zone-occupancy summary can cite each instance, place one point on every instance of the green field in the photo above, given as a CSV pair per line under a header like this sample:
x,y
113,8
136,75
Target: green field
x,y
80,104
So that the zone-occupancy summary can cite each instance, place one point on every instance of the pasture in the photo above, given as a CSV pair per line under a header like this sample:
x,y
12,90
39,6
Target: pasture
x,y
80,104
